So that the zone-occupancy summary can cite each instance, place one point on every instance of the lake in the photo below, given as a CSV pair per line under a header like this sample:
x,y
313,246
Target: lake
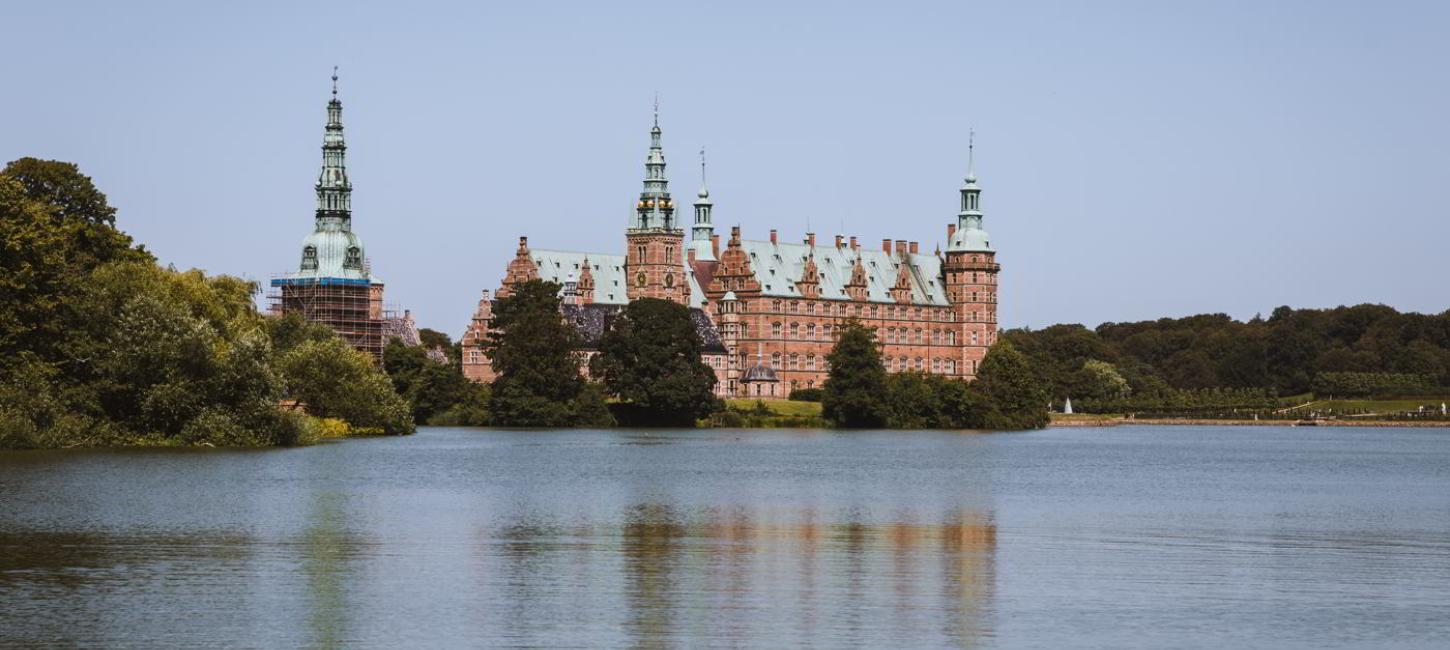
x,y
1132,536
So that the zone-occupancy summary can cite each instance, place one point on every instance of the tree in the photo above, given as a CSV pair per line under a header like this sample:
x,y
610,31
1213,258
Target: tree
x,y
533,352
429,386
62,186
1014,399
1099,380
54,230
334,380
856,383
650,359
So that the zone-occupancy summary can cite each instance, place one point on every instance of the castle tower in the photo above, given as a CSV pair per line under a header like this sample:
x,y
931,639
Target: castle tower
x,y
702,234
655,245
971,274
334,284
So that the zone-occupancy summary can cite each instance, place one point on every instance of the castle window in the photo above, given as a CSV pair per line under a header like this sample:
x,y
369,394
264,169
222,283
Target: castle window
x,y
775,329
795,330
795,362
810,331
920,338
776,305
810,362
826,332
775,360
951,337
936,366
974,338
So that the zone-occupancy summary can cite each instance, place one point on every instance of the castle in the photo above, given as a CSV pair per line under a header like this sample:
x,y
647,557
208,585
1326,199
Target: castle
x,y
768,311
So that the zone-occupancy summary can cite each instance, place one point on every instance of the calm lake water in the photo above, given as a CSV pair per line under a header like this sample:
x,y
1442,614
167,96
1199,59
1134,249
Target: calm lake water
x,y
1122,537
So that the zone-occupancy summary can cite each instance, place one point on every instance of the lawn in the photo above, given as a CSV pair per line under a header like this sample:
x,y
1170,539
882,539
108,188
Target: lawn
x,y
780,406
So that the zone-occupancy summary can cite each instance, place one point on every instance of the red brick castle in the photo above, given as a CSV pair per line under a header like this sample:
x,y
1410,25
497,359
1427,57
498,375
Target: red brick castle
x,y
768,311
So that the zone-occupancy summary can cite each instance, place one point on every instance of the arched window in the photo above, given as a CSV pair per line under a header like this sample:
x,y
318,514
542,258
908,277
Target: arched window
x,y
795,330
810,362
775,329
810,331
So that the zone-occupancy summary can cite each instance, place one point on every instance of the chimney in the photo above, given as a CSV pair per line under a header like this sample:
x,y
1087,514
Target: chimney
x,y
772,235
811,239
734,233
690,256
886,245
523,246
715,245
853,242
900,248
951,230
838,240
914,248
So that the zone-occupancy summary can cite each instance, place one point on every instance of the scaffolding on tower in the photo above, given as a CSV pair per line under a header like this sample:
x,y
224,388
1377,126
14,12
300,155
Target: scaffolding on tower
x,y
351,307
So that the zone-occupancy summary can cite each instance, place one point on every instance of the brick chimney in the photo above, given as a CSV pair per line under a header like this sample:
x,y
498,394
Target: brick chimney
x,y
772,235
854,245
811,239
913,248
715,245
886,245
900,248
838,240
951,230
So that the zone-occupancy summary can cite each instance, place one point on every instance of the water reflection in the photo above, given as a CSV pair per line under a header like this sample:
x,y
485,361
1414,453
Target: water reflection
x,y
326,550
758,575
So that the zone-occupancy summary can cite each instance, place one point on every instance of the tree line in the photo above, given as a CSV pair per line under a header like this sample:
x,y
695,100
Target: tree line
x,y
1214,360
101,346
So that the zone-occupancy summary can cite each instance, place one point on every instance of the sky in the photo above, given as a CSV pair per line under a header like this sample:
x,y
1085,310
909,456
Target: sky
x,y
1137,160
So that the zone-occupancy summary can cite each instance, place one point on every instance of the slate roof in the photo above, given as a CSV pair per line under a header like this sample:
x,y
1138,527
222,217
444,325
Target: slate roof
x,y
591,321
608,272
779,266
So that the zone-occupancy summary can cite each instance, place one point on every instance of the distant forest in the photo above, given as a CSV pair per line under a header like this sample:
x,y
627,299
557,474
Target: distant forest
x,y
1364,350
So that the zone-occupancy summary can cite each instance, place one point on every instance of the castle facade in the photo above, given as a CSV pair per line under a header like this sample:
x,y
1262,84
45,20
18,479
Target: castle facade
x,y
768,311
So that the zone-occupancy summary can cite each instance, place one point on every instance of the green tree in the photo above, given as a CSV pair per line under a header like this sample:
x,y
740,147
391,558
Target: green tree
x,y
334,380
1013,397
533,352
429,386
856,383
1098,380
650,359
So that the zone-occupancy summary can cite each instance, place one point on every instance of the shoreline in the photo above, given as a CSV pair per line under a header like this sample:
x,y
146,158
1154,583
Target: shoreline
x,y
1109,421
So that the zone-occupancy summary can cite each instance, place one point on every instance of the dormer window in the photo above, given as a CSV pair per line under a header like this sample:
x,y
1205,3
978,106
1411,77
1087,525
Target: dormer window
x,y
309,258
353,259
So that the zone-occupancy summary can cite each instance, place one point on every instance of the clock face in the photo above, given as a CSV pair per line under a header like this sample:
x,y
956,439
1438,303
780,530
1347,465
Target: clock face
x,y
639,279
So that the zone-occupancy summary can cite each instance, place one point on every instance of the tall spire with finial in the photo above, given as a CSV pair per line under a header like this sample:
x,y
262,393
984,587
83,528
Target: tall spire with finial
x,y
704,230
655,209
969,235
334,191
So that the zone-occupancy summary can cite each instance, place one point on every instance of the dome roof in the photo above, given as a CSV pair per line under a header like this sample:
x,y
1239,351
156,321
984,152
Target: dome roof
x,y
759,372
970,239
333,253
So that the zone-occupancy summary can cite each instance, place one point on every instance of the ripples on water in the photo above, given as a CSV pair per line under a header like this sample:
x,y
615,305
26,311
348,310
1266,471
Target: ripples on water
x,y
1127,537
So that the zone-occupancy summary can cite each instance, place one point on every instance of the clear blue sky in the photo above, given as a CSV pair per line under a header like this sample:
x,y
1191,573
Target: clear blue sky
x,y
1138,159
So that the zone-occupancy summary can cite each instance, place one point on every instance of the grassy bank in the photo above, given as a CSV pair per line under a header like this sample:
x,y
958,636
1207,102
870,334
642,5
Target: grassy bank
x,y
769,413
